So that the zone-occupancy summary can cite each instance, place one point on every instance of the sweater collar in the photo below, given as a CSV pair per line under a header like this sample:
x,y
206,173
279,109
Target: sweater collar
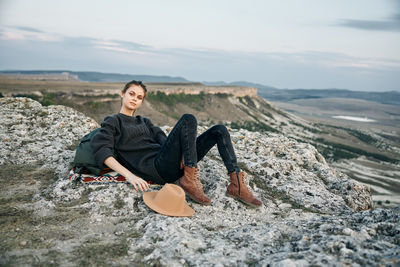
x,y
126,117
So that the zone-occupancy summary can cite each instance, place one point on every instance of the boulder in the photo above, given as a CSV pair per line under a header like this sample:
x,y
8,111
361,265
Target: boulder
x,y
33,134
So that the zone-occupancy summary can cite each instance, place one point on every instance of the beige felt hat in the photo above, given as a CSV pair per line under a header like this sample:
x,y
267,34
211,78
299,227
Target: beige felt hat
x,y
170,200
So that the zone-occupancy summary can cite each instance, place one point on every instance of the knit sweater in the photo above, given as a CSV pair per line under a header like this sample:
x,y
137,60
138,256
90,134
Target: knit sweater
x,y
134,141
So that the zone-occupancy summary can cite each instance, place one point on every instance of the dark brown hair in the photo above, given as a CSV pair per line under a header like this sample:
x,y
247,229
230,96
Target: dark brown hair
x,y
134,82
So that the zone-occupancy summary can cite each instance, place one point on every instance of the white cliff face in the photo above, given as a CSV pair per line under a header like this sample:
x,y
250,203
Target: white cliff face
x,y
309,214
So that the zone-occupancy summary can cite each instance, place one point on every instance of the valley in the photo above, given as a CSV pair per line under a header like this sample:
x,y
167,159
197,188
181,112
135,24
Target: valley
x,y
370,126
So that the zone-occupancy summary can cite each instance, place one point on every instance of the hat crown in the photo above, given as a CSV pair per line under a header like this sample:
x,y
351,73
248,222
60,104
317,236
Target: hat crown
x,y
171,198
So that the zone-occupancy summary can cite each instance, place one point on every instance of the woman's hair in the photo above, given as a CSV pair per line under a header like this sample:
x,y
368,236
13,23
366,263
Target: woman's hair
x,y
134,82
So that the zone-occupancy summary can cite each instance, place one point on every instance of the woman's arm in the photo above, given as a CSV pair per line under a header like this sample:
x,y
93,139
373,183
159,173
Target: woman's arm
x,y
136,181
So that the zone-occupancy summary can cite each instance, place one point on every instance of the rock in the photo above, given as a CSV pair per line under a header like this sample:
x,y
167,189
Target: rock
x,y
312,215
33,134
278,167
348,231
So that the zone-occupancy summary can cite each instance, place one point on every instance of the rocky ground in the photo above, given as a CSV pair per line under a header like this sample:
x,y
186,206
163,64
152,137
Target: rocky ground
x,y
312,214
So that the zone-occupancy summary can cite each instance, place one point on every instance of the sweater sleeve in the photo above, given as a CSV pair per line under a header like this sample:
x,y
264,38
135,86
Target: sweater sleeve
x,y
158,134
103,142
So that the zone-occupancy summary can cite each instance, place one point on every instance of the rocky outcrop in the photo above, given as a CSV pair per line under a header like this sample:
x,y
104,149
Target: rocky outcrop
x,y
31,133
312,215
236,91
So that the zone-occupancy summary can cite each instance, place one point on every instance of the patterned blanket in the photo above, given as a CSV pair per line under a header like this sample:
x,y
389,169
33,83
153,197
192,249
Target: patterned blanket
x,y
106,176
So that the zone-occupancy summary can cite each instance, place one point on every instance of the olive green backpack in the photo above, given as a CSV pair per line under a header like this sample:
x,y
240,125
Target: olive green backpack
x,y
84,156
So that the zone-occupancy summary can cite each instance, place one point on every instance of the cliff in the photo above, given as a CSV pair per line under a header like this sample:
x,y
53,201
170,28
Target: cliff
x,y
195,89
312,214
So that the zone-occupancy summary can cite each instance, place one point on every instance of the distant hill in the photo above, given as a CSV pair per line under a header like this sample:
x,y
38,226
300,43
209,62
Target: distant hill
x,y
260,87
271,93
285,95
91,76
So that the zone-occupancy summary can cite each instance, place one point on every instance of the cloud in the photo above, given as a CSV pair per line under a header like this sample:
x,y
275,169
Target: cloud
x,y
22,33
123,50
28,29
26,33
339,60
25,49
124,47
391,23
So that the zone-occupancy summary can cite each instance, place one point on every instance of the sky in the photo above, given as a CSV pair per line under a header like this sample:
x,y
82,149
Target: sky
x,y
313,44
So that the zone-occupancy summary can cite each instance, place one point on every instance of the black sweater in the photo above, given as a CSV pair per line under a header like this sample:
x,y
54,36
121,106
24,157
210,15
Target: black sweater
x,y
134,140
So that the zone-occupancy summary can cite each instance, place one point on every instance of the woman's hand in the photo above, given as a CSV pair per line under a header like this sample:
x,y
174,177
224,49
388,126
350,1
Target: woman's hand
x,y
137,182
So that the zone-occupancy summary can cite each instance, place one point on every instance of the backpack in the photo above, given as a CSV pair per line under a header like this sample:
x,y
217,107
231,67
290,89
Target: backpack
x,y
84,156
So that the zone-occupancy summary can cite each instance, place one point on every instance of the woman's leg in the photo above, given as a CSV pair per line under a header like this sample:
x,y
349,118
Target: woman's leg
x,y
219,135
237,188
181,141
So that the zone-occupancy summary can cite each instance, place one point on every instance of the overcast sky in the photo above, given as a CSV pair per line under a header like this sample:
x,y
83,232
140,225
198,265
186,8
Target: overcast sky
x,y
352,44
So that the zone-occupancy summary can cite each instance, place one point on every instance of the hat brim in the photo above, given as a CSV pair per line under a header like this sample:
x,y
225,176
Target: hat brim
x,y
148,198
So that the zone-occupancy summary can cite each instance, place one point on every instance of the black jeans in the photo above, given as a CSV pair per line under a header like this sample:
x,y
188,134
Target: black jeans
x,y
183,140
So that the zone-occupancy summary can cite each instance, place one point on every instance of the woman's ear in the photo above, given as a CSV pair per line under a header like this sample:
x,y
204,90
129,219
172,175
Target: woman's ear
x,y
121,93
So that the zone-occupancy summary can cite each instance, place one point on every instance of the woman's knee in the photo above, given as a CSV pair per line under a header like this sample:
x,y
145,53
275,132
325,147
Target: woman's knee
x,y
190,118
220,129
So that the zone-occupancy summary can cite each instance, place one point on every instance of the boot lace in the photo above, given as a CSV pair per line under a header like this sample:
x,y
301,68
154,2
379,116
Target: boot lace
x,y
196,178
244,178
244,181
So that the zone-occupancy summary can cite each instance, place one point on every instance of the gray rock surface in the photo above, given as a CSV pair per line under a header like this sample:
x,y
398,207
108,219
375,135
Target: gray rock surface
x,y
312,215
31,133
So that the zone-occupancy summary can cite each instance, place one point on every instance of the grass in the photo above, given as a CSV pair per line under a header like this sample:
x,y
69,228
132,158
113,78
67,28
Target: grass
x,y
390,137
366,138
46,100
49,98
312,130
93,108
135,234
249,103
271,192
253,126
119,203
246,100
95,105
194,101
34,97
275,194
94,253
20,185
344,151
173,99
23,230
332,153
362,136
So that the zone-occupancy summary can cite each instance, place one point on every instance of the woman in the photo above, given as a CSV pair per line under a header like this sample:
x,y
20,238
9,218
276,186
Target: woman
x,y
143,151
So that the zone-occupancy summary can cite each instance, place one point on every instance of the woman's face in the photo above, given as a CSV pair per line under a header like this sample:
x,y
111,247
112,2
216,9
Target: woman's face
x,y
132,99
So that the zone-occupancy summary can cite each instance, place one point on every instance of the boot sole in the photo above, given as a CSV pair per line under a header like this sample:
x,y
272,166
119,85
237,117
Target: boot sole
x,y
244,202
193,198
197,201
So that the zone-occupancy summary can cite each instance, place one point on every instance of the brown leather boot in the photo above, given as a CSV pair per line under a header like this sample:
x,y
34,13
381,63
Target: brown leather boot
x,y
190,182
238,189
